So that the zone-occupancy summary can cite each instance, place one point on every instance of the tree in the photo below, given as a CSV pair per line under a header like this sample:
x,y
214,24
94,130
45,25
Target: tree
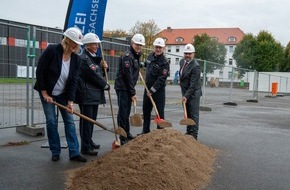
x,y
261,53
115,33
285,67
210,50
149,30
244,53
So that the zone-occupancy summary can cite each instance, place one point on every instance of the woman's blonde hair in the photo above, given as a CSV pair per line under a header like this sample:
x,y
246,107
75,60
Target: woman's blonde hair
x,y
65,41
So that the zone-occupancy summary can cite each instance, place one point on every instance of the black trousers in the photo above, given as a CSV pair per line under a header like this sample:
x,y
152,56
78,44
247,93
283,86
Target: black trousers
x,y
124,103
159,99
86,127
192,106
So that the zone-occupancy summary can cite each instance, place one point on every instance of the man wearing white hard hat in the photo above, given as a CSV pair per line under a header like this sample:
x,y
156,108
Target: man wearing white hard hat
x,y
57,77
157,68
90,93
190,83
125,82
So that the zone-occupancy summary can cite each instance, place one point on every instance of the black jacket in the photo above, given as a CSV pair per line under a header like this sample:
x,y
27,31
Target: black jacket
x,y
157,68
190,79
49,69
128,72
91,81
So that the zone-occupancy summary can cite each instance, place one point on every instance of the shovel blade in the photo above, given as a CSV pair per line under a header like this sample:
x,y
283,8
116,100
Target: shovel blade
x,y
121,131
164,124
136,120
116,144
187,121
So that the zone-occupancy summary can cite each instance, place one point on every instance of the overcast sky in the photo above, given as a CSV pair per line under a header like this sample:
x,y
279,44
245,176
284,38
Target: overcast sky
x,y
251,16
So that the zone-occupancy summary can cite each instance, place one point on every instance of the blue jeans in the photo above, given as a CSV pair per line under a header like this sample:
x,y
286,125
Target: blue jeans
x,y
51,127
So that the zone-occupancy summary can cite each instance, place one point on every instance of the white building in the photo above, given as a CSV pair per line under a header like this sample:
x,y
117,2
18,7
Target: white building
x,y
177,38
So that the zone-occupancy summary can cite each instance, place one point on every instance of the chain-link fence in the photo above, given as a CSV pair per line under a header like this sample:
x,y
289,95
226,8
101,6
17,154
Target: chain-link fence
x,y
21,46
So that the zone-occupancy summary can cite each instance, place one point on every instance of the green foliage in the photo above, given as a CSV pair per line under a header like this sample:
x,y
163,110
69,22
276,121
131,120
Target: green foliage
x,y
148,29
210,50
285,67
261,53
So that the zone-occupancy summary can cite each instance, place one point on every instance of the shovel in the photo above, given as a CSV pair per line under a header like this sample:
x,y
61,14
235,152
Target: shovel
x,y
116,143
119,130
136,119
186,121
160,122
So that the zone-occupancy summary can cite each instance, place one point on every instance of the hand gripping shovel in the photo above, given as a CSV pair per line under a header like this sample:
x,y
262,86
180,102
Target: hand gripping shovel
x,y
161,122
186,121
119,130
116,143
136,119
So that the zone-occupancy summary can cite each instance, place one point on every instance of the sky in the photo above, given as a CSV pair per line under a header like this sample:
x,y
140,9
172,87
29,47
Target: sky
x,y
251,16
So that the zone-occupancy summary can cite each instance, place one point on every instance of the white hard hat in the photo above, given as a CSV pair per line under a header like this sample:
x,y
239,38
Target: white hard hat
x,y
188,48
90,38
139,39
74,34
159,42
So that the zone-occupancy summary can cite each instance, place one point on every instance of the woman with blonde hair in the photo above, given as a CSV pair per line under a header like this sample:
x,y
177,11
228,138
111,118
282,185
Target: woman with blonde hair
x,y
57,76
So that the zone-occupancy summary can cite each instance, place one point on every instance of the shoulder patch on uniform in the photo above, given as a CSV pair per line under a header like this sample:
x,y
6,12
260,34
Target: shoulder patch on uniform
x,y
93,67
127,64
164,72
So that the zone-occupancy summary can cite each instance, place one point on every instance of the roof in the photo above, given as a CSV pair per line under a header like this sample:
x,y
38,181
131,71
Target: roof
x,y
222,34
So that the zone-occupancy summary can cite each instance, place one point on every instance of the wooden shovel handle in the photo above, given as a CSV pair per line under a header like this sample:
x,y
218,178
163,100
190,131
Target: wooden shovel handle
x,y
184,109
135,105
150,97
109,93
81,115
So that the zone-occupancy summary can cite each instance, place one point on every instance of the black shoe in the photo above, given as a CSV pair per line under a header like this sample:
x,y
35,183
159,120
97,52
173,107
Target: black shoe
x,y
124,141
191,134
90,152
130,136
78,158
55,158
95,146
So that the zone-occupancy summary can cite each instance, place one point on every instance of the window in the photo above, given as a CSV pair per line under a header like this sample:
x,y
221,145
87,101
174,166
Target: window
x,y
169,60
230,74
168,48
221,74
177,49
179,39
177,61
231,49
232,39
3,41
214,38
230,61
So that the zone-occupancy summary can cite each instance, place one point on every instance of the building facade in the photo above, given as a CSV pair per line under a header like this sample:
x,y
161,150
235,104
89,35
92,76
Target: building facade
x,y
177,38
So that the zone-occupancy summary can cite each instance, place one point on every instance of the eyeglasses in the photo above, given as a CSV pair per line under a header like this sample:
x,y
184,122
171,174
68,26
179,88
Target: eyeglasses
x,y
187,53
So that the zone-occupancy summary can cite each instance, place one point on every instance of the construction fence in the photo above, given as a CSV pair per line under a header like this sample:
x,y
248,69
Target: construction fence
x,y
21,46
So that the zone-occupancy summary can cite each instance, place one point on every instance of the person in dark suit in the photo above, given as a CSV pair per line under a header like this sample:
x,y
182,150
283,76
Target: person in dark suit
x,y
90,92
125,82
57,76
190,83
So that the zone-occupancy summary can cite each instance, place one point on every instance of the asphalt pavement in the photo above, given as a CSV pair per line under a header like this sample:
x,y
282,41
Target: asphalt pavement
x,y
252,140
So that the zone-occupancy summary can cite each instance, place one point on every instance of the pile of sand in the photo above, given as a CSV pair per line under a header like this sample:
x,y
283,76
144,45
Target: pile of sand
x,y
161,159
